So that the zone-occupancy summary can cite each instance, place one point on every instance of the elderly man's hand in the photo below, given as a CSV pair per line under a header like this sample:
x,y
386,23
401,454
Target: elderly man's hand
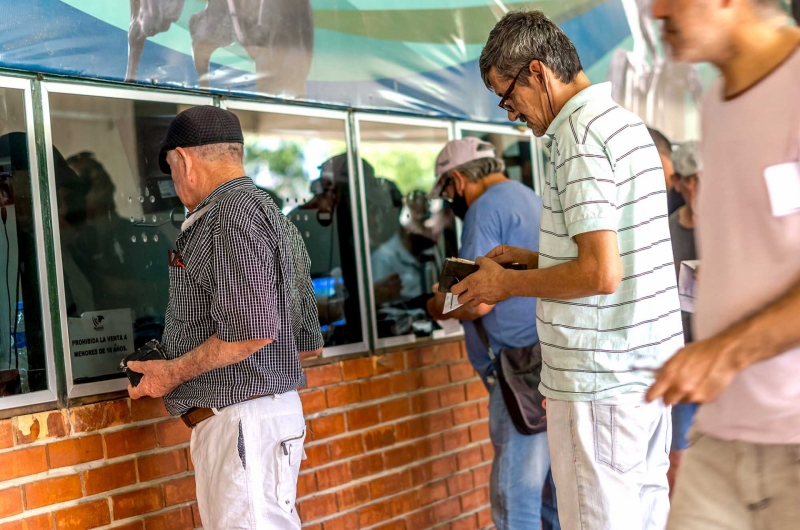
x,y
159,378
698,373
485,286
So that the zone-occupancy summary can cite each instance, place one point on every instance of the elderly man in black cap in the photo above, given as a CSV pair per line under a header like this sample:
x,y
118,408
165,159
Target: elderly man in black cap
x,y
241,315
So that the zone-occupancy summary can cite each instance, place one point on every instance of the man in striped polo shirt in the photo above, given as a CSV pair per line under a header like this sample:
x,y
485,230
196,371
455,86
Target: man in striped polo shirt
x,y
608,306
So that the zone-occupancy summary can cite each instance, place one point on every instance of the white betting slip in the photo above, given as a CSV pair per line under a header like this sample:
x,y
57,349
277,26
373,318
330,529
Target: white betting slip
x,y
450,303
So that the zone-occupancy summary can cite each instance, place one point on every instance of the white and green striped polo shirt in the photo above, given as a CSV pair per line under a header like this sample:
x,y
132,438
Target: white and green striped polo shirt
x,y
605,174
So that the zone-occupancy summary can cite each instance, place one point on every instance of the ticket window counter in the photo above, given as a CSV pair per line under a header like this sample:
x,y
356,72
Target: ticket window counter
x,y
409,234
116,217
27,372
301,158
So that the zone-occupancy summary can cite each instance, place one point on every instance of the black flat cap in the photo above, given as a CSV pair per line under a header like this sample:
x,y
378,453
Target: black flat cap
x,y
202,125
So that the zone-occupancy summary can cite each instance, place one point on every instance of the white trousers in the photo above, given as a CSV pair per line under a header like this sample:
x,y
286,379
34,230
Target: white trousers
x,y
610,459
247,459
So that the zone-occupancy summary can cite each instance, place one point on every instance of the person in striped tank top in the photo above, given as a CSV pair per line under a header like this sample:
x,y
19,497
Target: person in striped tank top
x,y
608,313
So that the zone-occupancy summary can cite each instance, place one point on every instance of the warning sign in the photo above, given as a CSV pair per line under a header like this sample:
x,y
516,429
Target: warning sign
x,y
98,341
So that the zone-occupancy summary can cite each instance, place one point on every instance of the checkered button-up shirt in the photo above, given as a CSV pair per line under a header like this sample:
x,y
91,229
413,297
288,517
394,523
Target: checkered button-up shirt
x,y
243,274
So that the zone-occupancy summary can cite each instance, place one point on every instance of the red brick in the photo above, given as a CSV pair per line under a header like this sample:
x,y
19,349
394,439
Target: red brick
x,y
429,446
138,525
487,450
363,417
433,493
172,432
400,456
148,409
483,408
38,522
365,466
390,362
393,525
313,401
421,519
421,474
451,396
10,502
332,476
6,435
461,371
466,414
179,490
137,502
481,475
196,516
465,523
88,515
459,483
438,422
341,395
404,503
23,462
345,522
75,451
441,353
318,455
469,458
376,388
346,447
410,429
306,484
161,465
389,485
392,410
438,376
189,459
380,437
476,390
353,496
426,402
175,520
485,518
405,382
479,431
52,491
358,369
39,427
456,438
474,499
375,513
130,441
89,418
327,426
327,374
318,507
443,467
109,477
446,511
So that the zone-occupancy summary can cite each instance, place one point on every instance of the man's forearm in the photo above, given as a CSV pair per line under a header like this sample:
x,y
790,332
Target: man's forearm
x,y
212,354
768,333
566,281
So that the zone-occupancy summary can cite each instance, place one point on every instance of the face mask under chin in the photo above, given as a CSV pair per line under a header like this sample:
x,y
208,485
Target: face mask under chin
x,y
459,206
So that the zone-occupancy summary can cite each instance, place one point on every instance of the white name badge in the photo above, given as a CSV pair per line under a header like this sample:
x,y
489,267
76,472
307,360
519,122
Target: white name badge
x,y
783,184
450,303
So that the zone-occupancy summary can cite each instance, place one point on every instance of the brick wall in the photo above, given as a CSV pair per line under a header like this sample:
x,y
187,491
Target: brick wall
x,y
397,441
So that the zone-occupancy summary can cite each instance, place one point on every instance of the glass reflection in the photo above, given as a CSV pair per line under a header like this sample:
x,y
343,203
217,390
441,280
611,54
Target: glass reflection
x,y
515,152
409,235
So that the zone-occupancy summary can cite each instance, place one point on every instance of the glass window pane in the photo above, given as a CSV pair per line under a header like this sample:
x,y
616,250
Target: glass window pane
x,y
302,162
409,235
22,351
118,215
515,152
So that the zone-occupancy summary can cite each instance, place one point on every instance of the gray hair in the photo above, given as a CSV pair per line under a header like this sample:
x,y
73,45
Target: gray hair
x,y
524,36
229,152
480,168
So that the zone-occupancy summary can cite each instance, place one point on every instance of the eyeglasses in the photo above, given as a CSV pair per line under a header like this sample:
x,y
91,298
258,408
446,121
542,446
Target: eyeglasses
x,y
507,95
446,184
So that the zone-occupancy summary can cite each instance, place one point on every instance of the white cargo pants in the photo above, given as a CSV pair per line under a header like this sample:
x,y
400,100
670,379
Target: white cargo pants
x,y
247,459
